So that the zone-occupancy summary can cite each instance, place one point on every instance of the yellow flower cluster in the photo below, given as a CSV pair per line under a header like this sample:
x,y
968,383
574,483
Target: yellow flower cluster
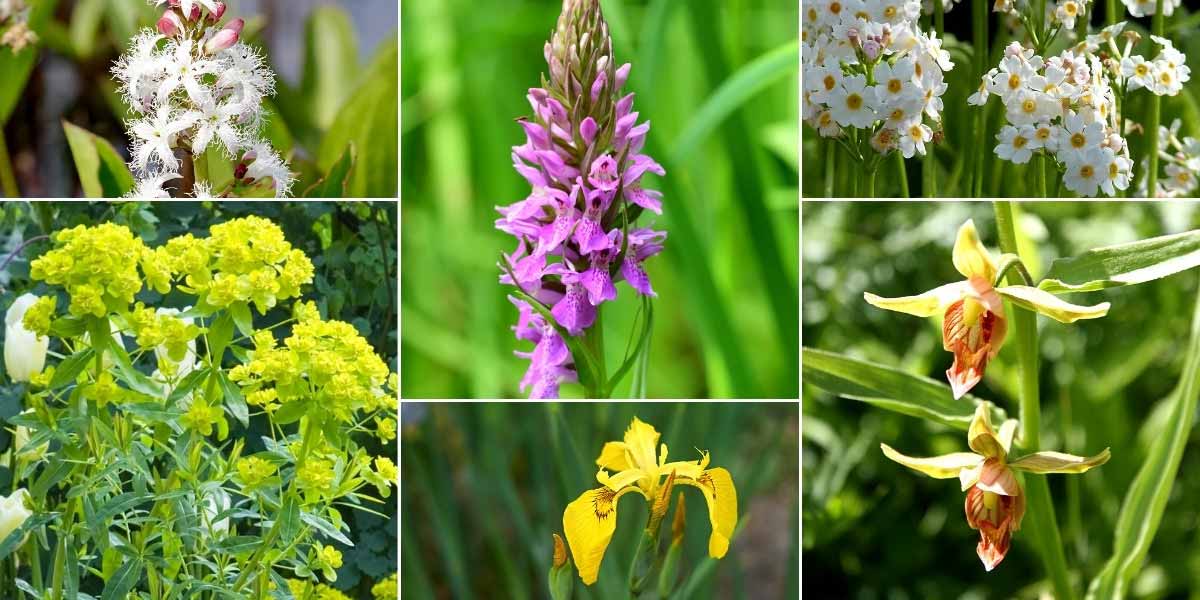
x,y
201,417
386,589
314,591
157,329
99,268
324,362
243,260
315,475
383,477
253,471
38,317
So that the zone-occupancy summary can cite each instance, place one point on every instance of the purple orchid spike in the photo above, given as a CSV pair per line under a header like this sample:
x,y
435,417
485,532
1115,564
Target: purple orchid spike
x,y
582,158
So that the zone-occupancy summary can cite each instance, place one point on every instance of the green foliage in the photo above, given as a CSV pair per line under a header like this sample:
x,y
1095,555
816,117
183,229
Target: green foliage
x,y
368,120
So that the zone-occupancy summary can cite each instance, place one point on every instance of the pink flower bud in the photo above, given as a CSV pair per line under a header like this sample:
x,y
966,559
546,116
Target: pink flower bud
x,y
169,24
587,130
622,75
216,15
225,38
195,14
871,49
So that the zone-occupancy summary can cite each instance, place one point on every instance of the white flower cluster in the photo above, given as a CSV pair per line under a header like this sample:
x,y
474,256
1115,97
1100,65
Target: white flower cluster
x,y
14,21
195,86
927,6
1143,8
866,65
1066,106
1182,159
1060,13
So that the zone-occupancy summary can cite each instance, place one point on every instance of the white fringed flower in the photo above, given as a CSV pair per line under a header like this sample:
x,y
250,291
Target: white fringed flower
x,y
194,86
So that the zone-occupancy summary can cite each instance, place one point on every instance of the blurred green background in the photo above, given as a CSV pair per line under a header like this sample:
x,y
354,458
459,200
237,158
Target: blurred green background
x,y
874,529
484,487
962,138
717,79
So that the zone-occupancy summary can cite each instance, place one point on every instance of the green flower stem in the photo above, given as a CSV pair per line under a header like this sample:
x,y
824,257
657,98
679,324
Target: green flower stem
x,y
903,173
1152,121
1110,12
979,33
830,165
870,183
1040,167
939,17
594,340
1041,507
7,179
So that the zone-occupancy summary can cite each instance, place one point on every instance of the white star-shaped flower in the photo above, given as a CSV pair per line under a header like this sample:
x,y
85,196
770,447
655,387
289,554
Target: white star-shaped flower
x,y
183,69
153,137
152,187
187,5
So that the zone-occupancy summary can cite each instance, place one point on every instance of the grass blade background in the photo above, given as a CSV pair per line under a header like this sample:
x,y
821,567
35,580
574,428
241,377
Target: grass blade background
x,y
1142,510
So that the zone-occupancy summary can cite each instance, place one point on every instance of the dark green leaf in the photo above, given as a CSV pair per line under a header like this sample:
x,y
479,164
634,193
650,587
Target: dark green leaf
x,y
369,121
289,518
333,184
234,399
122,582
14,539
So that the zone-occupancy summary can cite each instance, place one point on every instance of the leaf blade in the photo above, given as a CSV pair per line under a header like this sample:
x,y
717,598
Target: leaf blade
x,y
1124,264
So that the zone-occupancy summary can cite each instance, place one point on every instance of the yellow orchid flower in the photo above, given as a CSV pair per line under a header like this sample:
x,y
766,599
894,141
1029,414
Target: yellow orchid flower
x,y
995,500
589,521
974,324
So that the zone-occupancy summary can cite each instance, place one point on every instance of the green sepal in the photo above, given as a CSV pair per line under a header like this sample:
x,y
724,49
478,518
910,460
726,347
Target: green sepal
x,y
562,581
668,576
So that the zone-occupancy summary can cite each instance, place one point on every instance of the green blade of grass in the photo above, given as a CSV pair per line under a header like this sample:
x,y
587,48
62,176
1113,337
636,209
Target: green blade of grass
x,y
1142,511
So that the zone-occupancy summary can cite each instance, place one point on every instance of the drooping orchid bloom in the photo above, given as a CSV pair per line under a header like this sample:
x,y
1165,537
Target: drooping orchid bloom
x,y
590,520
974,325
995,500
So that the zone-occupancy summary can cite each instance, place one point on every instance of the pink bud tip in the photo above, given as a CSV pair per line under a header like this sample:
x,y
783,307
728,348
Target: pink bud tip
x,y
216,15
224,39
236,25
622,75
195,14
169,24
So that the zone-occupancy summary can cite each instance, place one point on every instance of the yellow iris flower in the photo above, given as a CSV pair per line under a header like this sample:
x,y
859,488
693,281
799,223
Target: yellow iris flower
x,y
590,520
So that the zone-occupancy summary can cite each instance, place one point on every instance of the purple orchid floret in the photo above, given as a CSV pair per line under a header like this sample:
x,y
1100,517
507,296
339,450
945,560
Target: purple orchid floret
x,y
582,158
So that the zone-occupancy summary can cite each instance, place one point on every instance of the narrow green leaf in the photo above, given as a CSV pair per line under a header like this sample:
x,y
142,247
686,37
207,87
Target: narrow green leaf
x,y
188,384
234,399
71,367
289,518
102,172
135,379
1142,511
240,311
888,388
333,184
220,333
239,544
120,584
733,93
1124,264
639,354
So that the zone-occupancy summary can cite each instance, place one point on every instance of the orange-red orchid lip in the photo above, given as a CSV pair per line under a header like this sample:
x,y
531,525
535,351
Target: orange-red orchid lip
x,y
973,344
996,517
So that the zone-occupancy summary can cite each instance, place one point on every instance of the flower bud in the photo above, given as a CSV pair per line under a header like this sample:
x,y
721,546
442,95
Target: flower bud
x,y
216,15
24,350
13,512
871,49
225,38
169,24
195,13
562,579
622,76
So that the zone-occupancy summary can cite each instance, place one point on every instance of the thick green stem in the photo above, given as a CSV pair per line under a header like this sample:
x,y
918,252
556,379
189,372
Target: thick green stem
x,y
594,339
1040,506
902,173
1110,12
870,183
939,18
1156,26
7,179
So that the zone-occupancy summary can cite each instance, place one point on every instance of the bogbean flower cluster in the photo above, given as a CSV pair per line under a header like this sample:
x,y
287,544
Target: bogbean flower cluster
x,y
1181,160
1145,8
14,22
1061,14
868,68
575,231
193,86
1066,107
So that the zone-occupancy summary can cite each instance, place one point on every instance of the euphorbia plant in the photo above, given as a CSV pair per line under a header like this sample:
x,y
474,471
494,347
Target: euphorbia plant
x,y
145,484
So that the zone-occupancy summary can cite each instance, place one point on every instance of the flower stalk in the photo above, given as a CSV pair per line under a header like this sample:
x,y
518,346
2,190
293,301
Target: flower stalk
x,y
1155,116
1041,507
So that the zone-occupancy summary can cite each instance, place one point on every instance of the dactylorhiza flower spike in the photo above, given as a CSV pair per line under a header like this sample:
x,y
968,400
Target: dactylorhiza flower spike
x,y
193,86
640,465
575,230
995,500
974,324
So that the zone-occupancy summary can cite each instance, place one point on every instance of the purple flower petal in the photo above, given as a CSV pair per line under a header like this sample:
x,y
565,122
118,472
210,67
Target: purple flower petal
x,y
587,130
603,174
622,75
631,270
574,312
